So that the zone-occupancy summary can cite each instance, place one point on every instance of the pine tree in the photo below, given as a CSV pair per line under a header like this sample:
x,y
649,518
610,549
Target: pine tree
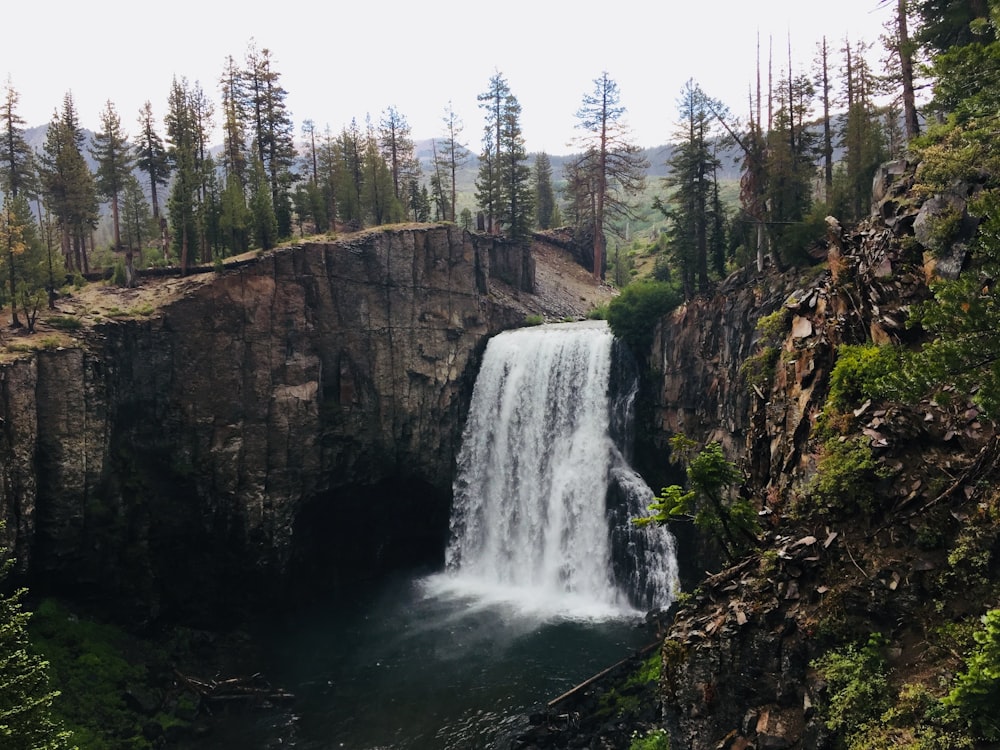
x,y
379,204
68,185
151,156
328,171
452,156
516,193
546,209
861,134
398,150
17,165
491,102
264,221
138,223
113,155
272,131
26,693
183,143
614,165
350,175
690,165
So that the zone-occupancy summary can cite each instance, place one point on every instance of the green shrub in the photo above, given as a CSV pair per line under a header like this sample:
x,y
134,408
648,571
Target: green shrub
x,y
846,476
64,322
598,312
862,372
759,370
87,662
857,685
654,739
976,692
775,325
634,313
118,277
533,320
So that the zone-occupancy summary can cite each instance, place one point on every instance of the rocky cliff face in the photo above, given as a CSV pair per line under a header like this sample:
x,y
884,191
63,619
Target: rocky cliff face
x,y
749,367
291,420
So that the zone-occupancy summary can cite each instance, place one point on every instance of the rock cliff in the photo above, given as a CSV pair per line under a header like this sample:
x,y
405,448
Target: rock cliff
x,y
212,441
750,367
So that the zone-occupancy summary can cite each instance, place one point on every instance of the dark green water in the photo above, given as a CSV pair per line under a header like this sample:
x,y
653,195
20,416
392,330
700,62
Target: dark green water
x,y
417,665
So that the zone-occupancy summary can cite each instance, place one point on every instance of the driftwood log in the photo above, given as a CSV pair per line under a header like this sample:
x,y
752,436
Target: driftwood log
x,y
252,691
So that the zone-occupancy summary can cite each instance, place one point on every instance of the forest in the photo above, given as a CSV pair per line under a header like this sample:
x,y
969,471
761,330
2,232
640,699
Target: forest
x,y
111,201
808,149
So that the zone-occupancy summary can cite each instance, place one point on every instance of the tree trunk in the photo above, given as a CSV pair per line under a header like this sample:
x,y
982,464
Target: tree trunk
x,y
910,118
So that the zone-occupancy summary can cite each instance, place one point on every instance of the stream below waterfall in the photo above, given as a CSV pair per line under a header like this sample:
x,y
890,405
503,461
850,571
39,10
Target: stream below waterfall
x,y
414,665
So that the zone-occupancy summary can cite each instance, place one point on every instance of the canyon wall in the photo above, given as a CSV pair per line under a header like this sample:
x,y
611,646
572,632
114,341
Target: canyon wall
x,y
287,424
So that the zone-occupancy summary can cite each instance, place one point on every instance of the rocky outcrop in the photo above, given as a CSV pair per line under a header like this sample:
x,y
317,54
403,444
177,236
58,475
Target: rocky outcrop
x,y
750,367
292,420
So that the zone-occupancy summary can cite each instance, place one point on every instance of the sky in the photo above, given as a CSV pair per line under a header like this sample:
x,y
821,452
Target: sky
x,y
339,61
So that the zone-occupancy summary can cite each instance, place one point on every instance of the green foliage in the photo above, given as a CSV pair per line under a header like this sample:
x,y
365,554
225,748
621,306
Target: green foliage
x,y
846,477
118,274
64,322
27,720
710,476
533,320
88,662
634,313
598,312
654,739
857,685
758,370
861,372
775,325
963,318
976,692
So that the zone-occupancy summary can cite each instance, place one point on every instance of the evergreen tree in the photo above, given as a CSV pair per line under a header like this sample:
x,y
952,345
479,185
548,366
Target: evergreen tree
x,y
138,223
399,152
545,197
350,175
234,217
264,221
488,181
861,134
22,261
272,132
68,185
379,204
113,155
328,174
151,156
26,693
614,164
516,193
790,166
183,145
452,156
17,165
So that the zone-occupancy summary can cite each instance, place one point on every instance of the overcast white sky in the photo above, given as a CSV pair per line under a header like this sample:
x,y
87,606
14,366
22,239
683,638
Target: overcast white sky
x,y
340,60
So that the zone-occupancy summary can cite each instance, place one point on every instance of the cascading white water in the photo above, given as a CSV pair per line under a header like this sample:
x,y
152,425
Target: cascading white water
x,y
530,522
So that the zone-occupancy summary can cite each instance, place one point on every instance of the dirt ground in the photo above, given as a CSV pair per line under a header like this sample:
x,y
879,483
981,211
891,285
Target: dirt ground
x,y
564,290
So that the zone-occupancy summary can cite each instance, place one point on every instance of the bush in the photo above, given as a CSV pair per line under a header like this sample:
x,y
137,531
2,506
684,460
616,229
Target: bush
x,y
862,372
64,322
857,685
533,320
634,313
976,693
846,476
654,739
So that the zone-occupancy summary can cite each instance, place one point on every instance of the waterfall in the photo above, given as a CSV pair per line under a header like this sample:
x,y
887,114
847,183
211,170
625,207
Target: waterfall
x,y
543,494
